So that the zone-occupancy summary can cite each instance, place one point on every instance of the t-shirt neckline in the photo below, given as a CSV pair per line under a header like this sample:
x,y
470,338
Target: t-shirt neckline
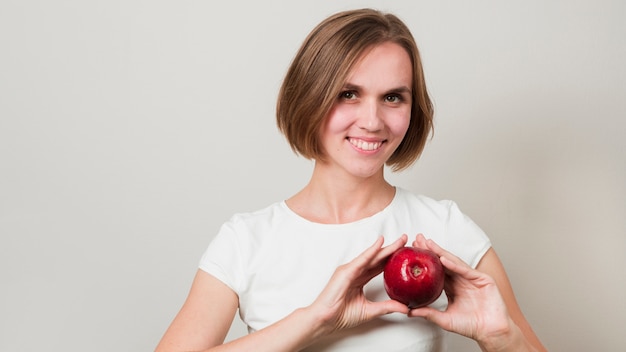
x,y
298,217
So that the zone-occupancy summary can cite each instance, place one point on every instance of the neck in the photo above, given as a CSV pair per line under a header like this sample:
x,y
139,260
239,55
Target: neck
x,y
335,198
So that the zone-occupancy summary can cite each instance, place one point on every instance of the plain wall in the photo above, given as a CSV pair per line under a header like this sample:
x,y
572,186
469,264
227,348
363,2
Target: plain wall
x,y
130,130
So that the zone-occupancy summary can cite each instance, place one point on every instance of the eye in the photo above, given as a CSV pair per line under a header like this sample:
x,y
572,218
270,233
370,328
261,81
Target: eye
x,y
347,95
393,98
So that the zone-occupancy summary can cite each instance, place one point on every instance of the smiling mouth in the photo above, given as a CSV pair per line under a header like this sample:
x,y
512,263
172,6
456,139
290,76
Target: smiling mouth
x,y
364,145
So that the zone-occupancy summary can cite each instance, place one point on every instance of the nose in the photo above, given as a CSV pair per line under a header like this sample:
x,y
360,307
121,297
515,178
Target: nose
x,y
369,117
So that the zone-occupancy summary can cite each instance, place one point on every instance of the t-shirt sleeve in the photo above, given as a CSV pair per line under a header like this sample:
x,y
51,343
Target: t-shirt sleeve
x,y
464,237
223,257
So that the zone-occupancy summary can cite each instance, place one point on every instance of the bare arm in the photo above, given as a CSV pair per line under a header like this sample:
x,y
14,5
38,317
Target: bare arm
x,y
206,316
491,265
204,319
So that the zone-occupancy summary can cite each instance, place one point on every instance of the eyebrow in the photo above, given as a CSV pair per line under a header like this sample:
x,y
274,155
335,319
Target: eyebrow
x,y
401,89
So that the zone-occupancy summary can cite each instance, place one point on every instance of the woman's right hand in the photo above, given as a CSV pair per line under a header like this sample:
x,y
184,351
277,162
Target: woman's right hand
x,y
342,303
208,312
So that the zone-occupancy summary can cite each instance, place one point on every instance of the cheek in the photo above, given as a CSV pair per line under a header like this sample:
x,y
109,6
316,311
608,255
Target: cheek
x,y
338,120
400,124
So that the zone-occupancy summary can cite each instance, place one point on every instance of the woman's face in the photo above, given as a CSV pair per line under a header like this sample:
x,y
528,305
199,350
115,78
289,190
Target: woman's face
x,y
372,114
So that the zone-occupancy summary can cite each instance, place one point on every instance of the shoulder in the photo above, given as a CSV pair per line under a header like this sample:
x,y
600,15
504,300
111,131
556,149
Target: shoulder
x,y
249,230
424,205
243,230
444,222
237,243
275,212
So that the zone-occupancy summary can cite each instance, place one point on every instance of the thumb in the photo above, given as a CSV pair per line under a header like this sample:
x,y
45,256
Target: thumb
x,y
387,307
431,314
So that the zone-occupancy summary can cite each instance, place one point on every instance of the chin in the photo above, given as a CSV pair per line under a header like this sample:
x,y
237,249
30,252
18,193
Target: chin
x,y
368,172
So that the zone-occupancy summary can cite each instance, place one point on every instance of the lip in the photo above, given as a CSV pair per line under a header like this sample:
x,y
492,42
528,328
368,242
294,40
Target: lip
x,y
368,145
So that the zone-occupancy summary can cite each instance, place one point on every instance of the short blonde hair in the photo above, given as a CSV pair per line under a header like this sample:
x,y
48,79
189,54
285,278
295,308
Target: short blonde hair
x,y
320,69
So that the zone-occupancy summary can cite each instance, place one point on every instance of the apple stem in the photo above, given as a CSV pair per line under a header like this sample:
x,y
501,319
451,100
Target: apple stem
x,y
416,271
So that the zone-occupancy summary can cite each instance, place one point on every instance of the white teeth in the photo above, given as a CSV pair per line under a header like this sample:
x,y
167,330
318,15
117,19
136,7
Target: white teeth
x,y
365,145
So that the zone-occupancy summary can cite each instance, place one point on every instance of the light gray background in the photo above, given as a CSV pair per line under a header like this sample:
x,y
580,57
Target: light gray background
x,y
130,130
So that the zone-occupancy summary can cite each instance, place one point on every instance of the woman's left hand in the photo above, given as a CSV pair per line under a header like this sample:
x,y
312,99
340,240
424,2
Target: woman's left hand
x,y
475,307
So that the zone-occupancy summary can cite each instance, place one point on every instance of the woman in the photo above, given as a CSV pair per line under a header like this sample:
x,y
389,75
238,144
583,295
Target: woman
x,y
304,273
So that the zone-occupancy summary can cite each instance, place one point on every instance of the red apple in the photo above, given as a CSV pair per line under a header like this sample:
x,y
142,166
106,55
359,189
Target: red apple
x,y
414,276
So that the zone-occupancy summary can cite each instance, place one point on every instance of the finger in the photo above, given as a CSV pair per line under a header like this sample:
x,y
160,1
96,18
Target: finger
x,y
387,307
420,241
394,246
371,262
348,272
422,312
377,264
433,246
401,241
460,268
366,257
433,315
451,262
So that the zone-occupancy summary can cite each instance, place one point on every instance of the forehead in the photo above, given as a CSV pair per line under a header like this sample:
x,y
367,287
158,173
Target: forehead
x,y
386,63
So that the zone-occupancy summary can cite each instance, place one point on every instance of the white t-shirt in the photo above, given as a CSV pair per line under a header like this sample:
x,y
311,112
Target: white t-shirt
x,y
276,261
